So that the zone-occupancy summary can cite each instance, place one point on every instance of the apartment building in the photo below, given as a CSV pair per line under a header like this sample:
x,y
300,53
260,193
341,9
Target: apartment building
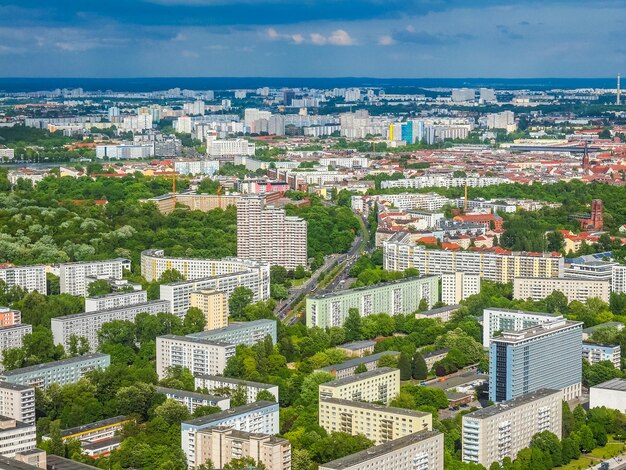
x,y
72,275
397,297
12,337
348,368
115,300
214,306
443,181
193,400
574,289
433,357
266,233
16,436
493,264
595,352
418,451
17,402
498,431
223,275
376,422
504,319
442,313
547,355
357,348
9,317
222,444
198,355
258,417
31,278
458,286
218,384
96,431
63,372
618,278
88,324
166,203
378,385
248,333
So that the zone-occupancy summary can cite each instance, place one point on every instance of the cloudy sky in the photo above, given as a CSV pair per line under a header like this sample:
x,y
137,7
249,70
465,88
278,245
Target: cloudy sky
x,y
312,38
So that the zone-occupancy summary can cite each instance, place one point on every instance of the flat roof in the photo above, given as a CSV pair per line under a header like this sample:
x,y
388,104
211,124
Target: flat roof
x,y
239,410
437,352
17,387
185,393
612,324
115,294
7,463
359,377
494,410
435,311
619,385
60,463
102,443
358,361
357,344
245,434
95,425
233,327
375,407
369,288
526,312
52,365
73,316
219,378
379,451
512,337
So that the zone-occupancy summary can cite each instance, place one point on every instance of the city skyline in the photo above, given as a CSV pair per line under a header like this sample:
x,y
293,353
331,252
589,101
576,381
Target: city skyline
x,y
418,38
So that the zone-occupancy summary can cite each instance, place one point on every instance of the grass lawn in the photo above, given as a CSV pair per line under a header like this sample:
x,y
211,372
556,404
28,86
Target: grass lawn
x,y
299,282
611,449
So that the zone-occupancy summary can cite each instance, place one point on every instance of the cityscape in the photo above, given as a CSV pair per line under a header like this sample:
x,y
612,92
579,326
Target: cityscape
x,y
263,235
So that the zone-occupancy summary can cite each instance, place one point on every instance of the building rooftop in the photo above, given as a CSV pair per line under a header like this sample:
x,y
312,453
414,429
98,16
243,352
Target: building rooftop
x,y
370,288
535,331
436,353
239,410
356,345
115,294
17,387
379,451
612,324
375,407
247,383
494,410
358,361
95,425
74,316
619,385
245,434
525,312
191,339
102,443
51,365
114,260
233,327
60,463
7,463
185,393
359,377
439,310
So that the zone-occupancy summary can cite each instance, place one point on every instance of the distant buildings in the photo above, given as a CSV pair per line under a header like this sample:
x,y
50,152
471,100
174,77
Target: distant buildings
x,y
265,233
115,300
376,422
547,355
31,278
258,417
12,337
218,384
166,203
444,181
17,402
574,289
214,306
229,148
397,297
498,431
458,286
248,333
129,151
594,353
504,319
193,400
73,276
420,450
378,385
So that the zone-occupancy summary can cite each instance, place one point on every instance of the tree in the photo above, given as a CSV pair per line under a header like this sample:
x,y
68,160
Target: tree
x,y
404,364
194,321
244,463
179,377
419,370
170,275
265,395
205,411
360,369
172,412
423,305
556,302
55,444
337,445
568,422
240,298
120,332
78,345
99,287
301,459
549,444
278,275
555,241
352,325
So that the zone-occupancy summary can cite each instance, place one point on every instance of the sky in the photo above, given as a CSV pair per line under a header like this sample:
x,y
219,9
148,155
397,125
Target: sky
x,y
312,38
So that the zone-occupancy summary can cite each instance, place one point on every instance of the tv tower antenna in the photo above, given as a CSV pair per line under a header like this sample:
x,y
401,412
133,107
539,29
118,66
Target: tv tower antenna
x,y
617,100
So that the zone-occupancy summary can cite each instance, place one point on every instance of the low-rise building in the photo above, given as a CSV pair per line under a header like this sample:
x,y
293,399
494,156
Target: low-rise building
x,y
193,400
17,402
595,352
378,385
442,313
218,385
63,372
611,394
348,368
198,355
498,431
221,444
96,431
421,450
258,417
378,423
358,348
432,357
537,289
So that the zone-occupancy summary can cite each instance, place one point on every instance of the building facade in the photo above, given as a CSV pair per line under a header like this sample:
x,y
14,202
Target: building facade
x,y
115,300
595,352
378,385
198,355
266,233
498,431
12,337
504,319
574,289
248,333
397,297
193,400
17,402
547,355
31,278
348,368
16,436
611,394
72,275
458,286
9,317
214,306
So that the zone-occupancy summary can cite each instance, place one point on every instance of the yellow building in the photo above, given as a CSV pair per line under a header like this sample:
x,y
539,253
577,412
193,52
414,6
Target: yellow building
x,y
214,305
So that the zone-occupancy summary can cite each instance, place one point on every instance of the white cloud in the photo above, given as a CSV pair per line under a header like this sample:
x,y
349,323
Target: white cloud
x,y
318,39
272,34
340,38
297,38
385,40
189,54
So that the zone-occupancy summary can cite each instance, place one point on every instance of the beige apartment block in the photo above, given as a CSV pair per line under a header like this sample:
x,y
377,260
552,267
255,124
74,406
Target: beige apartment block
x,y
378,385
214,305
574,289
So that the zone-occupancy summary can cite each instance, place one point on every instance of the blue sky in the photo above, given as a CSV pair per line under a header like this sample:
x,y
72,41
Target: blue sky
x,y
312,38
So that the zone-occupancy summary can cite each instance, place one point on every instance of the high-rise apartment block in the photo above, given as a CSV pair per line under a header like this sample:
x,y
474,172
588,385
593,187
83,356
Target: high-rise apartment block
x,y
12,337
198,355
247,332
214,306
547,355
258,417
458,286
376,422
265,233
72,275
31,278
216,384
494,265
88,324
498,431
222,444
418,451
504,319
397,297
574,289
115,300
17,402
63,372
380,385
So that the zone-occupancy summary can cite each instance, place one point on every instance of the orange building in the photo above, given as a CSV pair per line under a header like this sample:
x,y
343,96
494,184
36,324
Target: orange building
x,y
9,317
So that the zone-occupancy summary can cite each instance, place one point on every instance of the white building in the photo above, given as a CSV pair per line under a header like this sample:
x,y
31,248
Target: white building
x,y
461,95
346,162
215,383
137,123
197,355
125,151
229,148
115,300
72,275
458,286
503,120
618,278
378,385
611,394
197,167
444,181
183,125
193,400
31,278
594,353
7,154
502,319
16,436
574,289
12,336
17,402
498,431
